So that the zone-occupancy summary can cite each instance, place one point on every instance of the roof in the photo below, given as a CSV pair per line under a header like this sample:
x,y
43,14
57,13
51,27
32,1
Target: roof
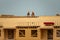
x,y
13,16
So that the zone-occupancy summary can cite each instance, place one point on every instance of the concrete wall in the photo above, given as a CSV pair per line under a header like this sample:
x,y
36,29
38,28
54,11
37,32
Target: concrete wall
x,y
13,22
39,21
28,35
2,34
55,34
43,34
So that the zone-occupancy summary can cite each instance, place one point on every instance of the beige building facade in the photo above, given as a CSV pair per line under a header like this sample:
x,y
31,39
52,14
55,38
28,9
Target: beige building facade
x,y
29,27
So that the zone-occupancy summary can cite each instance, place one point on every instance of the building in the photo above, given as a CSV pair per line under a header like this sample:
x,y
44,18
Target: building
x,y
29,27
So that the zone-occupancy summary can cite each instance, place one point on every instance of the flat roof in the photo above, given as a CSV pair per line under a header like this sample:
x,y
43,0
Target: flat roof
x,y
13,16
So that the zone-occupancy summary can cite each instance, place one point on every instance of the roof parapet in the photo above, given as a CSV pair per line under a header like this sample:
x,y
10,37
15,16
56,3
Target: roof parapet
x,y
13,16
6,15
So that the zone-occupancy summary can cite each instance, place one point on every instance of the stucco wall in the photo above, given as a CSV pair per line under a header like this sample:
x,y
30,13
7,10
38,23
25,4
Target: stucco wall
x,y
28,35
39,21
12,22
2,34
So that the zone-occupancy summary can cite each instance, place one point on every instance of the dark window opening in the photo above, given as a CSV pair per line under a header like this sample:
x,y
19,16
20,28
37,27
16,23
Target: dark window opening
x,y
58,33
50,34
10,34
33,33
21,33
0,33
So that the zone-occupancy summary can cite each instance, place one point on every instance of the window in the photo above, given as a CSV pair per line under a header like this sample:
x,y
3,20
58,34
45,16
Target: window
x,y
50,34
0,33
33,33
58,33
10,34
21,33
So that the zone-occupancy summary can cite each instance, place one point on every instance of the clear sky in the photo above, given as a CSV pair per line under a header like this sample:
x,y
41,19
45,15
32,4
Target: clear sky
x,y
21,7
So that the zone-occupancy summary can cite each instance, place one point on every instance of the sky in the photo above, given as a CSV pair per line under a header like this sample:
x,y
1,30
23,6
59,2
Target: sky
x,y
21,7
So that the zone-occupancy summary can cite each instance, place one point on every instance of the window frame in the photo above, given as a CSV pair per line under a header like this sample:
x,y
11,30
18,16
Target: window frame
x,y
33,34
21,33
57,33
